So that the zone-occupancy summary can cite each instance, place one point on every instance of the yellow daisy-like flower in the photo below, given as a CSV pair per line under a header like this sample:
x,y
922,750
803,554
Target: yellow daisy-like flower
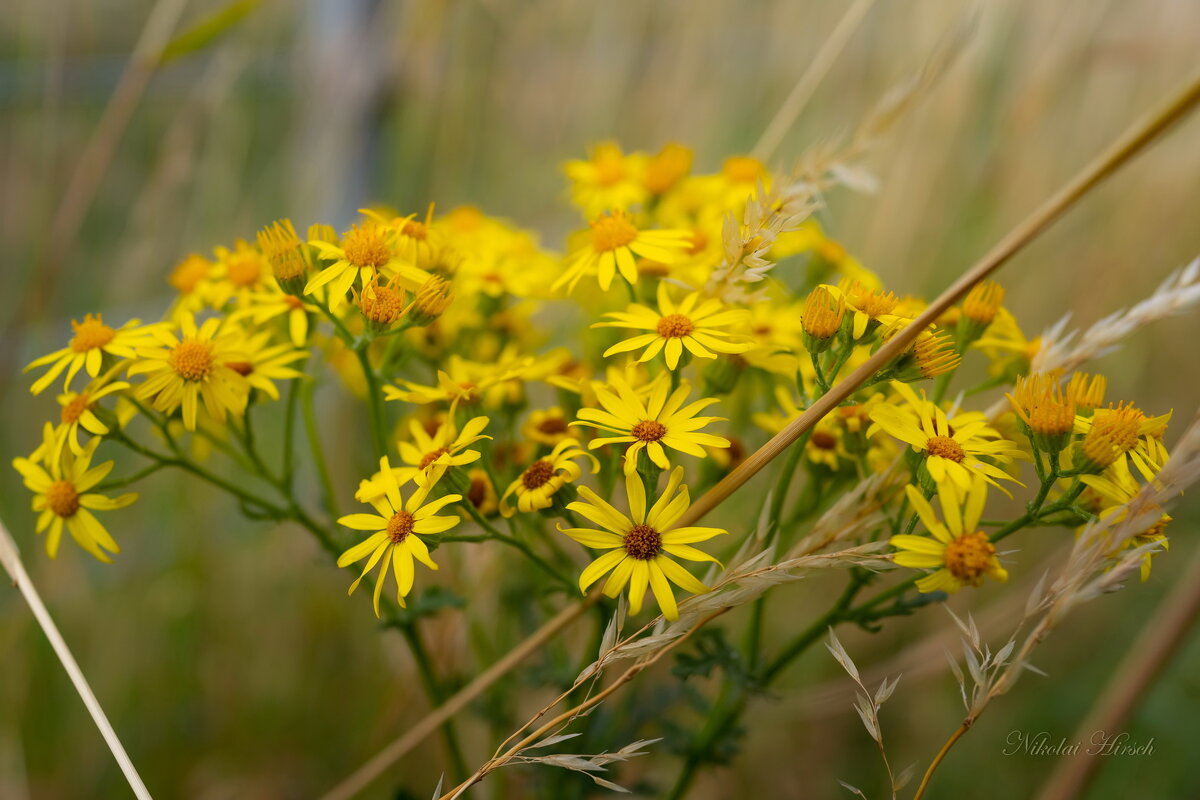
x,y
639,545
263,307
62,499
1112,491
238,274
1118,432
959,551
541,480
615,242
481,493
184,371
265,363
92,340
77,412
692,324
395,540
364,251
546,426
607,180
446,447
469,382
657,422
951,451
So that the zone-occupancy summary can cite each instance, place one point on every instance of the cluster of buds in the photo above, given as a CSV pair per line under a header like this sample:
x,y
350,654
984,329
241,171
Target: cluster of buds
x,y
822,318
1046,412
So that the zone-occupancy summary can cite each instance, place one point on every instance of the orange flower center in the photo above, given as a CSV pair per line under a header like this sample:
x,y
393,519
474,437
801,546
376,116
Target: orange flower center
x,y
62,498
538,474
643,542
967,557
292,302
612,231
742,169
415,230
400,526
73,410
90,334
381,304
675,326
945,447
432,456
648,430
245,269
192,359
188,274
242,368
366,247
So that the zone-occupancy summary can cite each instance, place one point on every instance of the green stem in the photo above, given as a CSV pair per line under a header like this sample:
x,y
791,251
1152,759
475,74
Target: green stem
x,y
437,695
494,534
374,402
318,452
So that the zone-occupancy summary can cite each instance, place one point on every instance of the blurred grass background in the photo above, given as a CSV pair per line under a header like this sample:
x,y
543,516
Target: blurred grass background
x,y
224,650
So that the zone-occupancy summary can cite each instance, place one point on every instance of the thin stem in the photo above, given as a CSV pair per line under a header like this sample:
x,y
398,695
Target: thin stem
x,y
11,560
933,765
433,688
318,452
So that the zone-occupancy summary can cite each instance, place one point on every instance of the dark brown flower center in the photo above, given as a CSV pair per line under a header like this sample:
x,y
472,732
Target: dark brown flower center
x,y
538,474
552,425
643,542
432,456
824,440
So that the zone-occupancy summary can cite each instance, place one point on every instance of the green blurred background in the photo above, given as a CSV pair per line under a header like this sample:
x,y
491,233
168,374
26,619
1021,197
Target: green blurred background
x,y
224,650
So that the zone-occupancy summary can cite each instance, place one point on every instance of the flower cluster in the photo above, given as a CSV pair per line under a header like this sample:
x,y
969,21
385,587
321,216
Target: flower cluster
x,y
516,385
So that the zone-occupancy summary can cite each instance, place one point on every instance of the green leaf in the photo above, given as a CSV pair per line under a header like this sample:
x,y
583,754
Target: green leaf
x,y
207,30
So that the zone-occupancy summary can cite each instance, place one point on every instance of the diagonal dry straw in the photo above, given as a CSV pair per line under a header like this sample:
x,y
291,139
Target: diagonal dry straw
x,y
1132,142
10,558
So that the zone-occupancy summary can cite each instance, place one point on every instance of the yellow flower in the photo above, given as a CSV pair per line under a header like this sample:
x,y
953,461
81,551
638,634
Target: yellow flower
x,y
263,307
959,551
92,340
238,273
285,253
540,481
396,534
1111,434
951,451
608,180
1086,391
869,306
1113,490
667,168
615,240
639,545
77,412
364,251
822,318
546,426
481,493
469,382
691,324
434,453
982,303
650,425
189,275
62,498
183,371
1006,346
1047,411
261,363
